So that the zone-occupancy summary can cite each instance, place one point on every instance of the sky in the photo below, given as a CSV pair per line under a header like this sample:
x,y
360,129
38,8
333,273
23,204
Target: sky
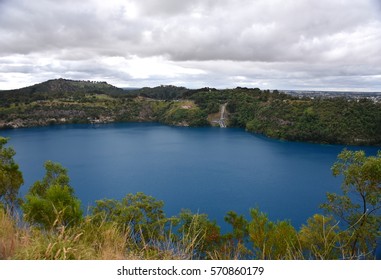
x,y
270,44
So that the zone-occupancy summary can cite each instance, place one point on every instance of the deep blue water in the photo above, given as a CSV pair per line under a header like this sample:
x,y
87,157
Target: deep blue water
x,y
208,170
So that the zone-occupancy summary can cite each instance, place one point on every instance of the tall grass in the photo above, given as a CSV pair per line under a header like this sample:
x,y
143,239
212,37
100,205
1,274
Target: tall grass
x,y
84,242
12,236
105,240
88,241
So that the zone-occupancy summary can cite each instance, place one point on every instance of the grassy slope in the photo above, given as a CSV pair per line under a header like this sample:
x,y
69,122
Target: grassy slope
x,y
89,241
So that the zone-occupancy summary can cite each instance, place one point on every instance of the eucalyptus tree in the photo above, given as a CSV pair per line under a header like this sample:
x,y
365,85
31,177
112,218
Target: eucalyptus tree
x,y
359,207
51,203
11,177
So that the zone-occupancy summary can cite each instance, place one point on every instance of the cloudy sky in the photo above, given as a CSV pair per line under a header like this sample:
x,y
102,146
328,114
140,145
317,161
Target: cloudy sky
x,y
270,44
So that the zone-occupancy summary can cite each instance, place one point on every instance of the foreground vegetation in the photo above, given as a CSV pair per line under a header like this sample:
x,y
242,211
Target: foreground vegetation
x,y
49,223
274,114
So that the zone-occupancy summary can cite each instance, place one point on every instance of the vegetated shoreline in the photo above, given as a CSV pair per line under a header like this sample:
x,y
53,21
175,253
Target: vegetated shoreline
x,y
273,114
58,229
104,124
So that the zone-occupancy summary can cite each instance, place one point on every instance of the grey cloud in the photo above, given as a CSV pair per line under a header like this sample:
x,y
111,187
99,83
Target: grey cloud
x,y
259,32
162,8
250,30
87,70
16,69
29,27
231,41
285,75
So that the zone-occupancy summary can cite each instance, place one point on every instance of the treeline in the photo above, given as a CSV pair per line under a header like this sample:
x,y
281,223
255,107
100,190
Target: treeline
x,y
49,222
281,116
272,113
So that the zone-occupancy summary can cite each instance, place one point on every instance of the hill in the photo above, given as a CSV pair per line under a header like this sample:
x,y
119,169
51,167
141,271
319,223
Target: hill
x,y
334,120
54,89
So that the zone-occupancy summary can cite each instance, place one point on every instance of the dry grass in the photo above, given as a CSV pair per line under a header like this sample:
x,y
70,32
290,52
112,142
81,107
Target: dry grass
x,y
8,239
88,241
12,237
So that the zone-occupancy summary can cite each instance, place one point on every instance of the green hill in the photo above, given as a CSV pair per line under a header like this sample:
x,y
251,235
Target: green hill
x,y
339,120
55,89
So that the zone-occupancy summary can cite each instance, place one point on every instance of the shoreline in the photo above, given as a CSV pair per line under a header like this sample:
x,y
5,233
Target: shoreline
x,y
181,124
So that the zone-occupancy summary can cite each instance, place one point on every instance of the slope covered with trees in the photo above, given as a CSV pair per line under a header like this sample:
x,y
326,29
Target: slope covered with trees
x,y
274,114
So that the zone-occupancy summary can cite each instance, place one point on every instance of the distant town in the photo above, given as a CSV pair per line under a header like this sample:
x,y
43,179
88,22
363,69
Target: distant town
x,y
374,96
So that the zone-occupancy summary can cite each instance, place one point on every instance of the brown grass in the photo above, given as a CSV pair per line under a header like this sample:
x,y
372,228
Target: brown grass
x,y
88,241
12,237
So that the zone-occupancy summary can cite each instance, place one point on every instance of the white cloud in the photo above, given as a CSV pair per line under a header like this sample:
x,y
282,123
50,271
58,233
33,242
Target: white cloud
x,y
273,43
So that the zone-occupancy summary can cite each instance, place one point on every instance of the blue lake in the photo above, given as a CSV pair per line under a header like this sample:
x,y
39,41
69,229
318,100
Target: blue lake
x,y
208,170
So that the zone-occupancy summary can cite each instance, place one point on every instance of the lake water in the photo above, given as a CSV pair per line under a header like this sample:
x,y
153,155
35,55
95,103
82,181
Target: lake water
x,y
208,170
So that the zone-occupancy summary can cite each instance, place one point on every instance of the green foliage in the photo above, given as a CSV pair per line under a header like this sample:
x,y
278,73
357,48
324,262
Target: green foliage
x,y
204,235
239,226
235,242
184,113
51,203
162,92
11,177
57,207
271,240
142,213
274,114
360,205
55,174
320,238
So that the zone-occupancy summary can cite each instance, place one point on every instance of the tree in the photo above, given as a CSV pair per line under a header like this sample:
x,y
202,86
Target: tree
x,y
271,240
55,174
360,205
142,213
50,203
11,177
199,233
320,238
237,239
